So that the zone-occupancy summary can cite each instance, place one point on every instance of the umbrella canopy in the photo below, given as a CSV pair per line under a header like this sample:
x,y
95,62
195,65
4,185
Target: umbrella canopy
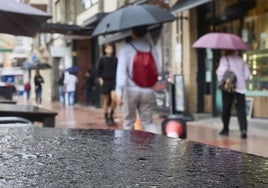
x,y
73,69
226,41
20,19
132,16
35,66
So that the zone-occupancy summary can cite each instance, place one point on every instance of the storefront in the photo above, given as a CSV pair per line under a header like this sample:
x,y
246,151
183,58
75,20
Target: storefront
x,y
248,19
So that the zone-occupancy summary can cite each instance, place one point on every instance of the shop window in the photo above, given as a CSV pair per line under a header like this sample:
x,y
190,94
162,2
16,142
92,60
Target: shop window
x,y
258,65
255,33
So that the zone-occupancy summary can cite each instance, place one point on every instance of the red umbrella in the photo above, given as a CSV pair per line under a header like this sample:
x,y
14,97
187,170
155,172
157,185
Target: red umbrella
x,y
221,41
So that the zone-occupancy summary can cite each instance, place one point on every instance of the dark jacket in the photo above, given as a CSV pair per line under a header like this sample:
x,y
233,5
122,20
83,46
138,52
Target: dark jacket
x,y
38,80
107,68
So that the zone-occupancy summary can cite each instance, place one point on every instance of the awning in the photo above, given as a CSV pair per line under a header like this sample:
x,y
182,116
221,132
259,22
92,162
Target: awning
x,y
92,21
65,29
3,50
111,38
182,5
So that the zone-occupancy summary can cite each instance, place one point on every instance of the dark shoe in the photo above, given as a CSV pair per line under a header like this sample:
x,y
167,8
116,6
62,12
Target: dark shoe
x,y
111,122
111,119
107,121
243,134
224,133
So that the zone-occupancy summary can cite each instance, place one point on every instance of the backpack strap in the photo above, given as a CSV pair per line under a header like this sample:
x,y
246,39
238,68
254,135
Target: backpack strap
x,y
133,46
227,59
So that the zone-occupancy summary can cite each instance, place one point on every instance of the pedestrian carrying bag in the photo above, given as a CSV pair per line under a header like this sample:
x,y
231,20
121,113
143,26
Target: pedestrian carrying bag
x,y
144,71
228,83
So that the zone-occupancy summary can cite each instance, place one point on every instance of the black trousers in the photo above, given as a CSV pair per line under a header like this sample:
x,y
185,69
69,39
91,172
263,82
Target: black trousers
x,y
240,102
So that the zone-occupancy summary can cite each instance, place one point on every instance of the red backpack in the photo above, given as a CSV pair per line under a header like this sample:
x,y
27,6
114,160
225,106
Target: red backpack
x,y
144,71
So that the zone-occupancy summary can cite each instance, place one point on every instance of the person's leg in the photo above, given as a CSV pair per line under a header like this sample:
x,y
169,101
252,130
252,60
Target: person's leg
x,y
40,96
71,97
61,93
113,105
87,94
28,95
36,96
241,114
105,101
227,101
146,106
129,108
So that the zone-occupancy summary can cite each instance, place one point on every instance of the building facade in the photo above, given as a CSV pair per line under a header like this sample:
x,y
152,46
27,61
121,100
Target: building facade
x,y
246,18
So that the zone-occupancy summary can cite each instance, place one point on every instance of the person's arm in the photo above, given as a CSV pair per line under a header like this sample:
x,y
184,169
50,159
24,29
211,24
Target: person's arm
x,y
222,68
157,60
100,70
42,79
246,71
65,81
121,74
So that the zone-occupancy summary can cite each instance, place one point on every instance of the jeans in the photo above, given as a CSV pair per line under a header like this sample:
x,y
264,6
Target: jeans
x,y
61,94
71,98
38,96
27,95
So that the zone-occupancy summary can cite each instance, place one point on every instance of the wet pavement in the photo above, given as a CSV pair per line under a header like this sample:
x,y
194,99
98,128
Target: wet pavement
x,y
204,129
83,152
48,157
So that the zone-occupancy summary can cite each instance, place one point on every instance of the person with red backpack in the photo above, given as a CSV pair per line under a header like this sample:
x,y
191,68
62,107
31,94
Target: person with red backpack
x,y
137,72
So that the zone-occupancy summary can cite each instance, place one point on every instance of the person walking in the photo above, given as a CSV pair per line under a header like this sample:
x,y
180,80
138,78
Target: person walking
x,y
61,88
27,89
106,73
38,81
70,81
234,62
88,86
131,93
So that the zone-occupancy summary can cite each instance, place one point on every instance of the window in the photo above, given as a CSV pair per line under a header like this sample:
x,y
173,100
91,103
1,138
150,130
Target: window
x,y
255,33
86,4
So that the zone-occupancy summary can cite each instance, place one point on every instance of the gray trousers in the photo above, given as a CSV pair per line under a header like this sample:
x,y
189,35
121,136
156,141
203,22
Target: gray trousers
x,y
142,102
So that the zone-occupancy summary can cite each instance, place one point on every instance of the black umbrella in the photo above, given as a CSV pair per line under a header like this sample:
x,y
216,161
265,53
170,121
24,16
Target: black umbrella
x,y
20,19
132,16
35,66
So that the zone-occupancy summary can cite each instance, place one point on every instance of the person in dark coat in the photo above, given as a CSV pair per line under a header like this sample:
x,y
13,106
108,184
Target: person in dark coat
x,y
88,85
106,73
38,81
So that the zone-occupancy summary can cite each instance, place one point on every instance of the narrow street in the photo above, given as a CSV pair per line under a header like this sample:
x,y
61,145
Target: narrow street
x,y
204,129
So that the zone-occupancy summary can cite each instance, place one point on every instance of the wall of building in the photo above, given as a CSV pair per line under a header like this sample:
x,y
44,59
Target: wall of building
x,y
84,58
184,59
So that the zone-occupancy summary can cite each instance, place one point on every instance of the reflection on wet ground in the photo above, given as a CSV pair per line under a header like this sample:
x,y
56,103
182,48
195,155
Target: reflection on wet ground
x,y
204,130
47,157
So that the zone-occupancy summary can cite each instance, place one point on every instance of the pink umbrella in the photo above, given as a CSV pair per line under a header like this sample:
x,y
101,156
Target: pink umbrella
x,y
221,41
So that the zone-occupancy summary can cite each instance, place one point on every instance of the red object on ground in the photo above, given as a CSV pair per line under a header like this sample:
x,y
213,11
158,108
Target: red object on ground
x,y
174,129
